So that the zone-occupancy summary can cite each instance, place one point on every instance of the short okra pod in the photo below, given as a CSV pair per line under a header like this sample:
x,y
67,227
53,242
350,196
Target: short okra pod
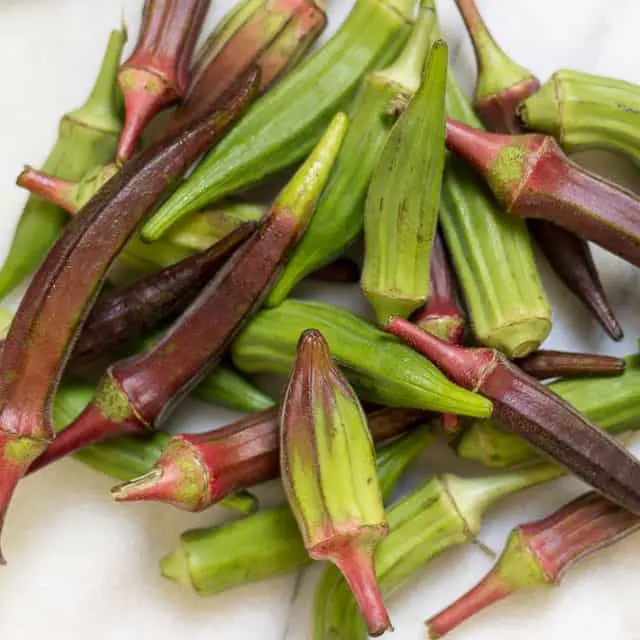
x,y
538,554
155,75
63,289
539,416
87,137
563,364
138,393
401,211
286,122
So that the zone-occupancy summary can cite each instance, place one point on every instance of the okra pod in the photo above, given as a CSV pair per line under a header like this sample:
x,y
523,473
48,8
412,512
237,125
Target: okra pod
x,y
155,75
269,543
538,554
87,137
339,218
401,212
137,394
611,403
285,124
381,369
556,364
542,418
63,289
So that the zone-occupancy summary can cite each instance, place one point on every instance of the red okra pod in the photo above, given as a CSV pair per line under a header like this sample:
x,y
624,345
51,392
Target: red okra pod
x,y
196,471
543,365
536,414
129,312
155,75
63,289
539,553
532,178
137,393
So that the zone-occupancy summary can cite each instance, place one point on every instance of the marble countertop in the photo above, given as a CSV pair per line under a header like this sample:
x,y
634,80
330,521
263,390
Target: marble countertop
x,y
81,566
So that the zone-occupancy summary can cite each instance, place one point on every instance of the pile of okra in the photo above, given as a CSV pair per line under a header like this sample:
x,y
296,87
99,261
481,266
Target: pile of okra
x,y
152,277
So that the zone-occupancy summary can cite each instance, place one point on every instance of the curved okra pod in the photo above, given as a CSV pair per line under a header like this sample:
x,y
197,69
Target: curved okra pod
x,y
530,410
555,364
532,178
374,110
62,291
401,211
382,369
87,137
155,75
537,555
611,403
269,543
137,393
287,121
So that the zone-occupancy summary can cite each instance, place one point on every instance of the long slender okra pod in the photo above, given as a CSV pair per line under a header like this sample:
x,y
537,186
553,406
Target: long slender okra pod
x,y
382,369
443,513
86,137
137,393
339,218
195,471
269,543
542,418
401,212
555,364
155,75
502,85
60,295
612,403
285,124
537,555
532,178
585,111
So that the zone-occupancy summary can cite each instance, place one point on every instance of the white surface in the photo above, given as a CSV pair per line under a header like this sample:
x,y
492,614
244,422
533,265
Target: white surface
x,y
83,567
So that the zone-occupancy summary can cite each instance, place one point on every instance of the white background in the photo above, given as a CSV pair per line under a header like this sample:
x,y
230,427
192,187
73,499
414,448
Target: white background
x,y
83,567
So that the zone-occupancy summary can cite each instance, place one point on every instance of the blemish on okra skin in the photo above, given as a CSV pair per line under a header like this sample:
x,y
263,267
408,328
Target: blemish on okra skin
x,y
507,170
111,401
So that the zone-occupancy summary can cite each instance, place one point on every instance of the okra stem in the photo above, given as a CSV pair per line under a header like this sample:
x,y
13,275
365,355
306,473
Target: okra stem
x,y
556,364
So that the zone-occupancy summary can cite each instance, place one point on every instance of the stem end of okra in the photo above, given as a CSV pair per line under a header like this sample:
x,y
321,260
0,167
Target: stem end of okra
x,y
449,329
542,111
175,566
52,189
500,112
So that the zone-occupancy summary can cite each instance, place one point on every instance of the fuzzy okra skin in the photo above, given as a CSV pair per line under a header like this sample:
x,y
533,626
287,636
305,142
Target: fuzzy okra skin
x,y
584,111
492,255
269,543
381,369
373,112
611,403
402,202
285,124
87,137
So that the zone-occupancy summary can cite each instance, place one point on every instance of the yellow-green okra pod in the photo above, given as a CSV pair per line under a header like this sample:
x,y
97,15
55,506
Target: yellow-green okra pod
x,y
285,124
402,203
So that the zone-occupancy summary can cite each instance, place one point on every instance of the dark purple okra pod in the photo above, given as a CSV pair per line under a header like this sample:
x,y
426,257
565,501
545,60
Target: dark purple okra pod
x,y
536,414
137,393
543,365
63,289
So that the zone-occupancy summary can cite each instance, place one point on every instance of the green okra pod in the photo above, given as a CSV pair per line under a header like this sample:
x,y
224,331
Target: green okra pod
x,y
288,121
402,202
381,369
87,137
339,217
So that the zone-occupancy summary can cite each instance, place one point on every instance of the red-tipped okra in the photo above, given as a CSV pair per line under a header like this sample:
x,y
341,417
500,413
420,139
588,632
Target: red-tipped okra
x,y
155,75
532,178
538,554
137,394
327,464
539,416
286,122
401,211
63,289
502,85
382,369
87,137
610,402
196,471
374,110
268,544
542,365
274,36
